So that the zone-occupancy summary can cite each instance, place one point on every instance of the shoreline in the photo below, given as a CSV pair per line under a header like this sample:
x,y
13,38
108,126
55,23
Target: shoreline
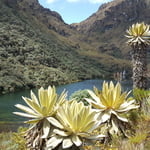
x,y
11,126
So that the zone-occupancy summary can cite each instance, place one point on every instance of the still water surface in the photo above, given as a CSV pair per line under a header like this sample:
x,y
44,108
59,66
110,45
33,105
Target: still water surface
x,y
8,101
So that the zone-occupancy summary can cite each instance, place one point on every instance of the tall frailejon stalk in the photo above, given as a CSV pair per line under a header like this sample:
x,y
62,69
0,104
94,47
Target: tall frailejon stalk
x,y
139,39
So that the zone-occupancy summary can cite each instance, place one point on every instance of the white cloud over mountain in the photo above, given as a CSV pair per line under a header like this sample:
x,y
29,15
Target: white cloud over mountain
x,y
73,0
90,1
99,1
51,1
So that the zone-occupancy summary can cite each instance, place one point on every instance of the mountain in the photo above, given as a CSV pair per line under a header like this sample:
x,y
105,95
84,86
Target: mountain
x,y
105,29
37,48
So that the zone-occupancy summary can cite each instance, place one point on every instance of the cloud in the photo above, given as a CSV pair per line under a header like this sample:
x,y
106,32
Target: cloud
x,y
51,1
70,1
90,1
99,1
74,0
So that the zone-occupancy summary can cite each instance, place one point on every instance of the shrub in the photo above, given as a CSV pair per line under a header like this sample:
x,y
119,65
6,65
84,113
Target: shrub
x,y
80,96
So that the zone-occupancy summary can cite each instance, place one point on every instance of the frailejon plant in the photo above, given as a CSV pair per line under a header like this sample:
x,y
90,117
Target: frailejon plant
x,y
78,122
42,112
60,124
138,34
55,120
139,39
112,104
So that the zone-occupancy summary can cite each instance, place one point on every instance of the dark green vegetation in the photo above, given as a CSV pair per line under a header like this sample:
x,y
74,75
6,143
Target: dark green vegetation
x,y
12,140
106,27
31,55
38,49
80,95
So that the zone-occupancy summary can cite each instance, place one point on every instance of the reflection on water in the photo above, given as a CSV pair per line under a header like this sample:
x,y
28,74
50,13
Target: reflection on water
x,y
8,101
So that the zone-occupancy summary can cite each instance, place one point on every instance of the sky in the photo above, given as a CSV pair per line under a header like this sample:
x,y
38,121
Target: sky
x,y
73,11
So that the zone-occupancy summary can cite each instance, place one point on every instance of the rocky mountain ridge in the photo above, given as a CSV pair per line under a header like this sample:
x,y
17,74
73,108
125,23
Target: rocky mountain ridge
x,y
111,14
105,29
108,25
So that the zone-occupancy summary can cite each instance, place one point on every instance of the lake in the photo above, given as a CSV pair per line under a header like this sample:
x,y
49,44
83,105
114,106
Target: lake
x,y
8,101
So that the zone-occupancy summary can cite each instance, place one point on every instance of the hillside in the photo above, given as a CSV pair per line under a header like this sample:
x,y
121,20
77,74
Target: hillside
x,y
32,54
37,48
105,29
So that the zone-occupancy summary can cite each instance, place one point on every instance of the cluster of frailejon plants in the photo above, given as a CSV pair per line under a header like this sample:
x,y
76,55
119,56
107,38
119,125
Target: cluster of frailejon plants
x,y
58,123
